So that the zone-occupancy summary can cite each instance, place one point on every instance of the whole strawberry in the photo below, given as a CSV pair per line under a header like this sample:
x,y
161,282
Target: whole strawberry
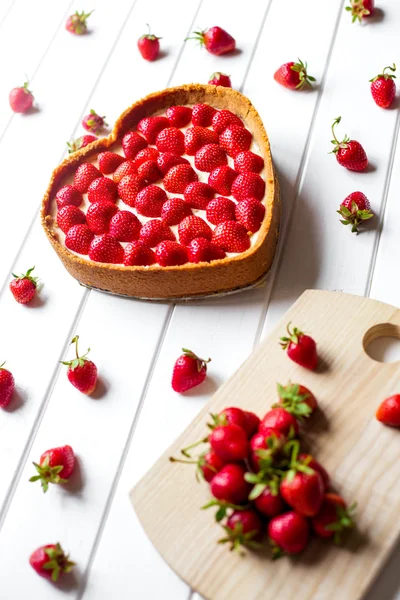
x,y
93,122
21,99
76,23
215,40
149,46
55,466
219,78
361,9
349,153
7,386
333,518
388,412
354,210
50,561
383,88
80,143
189,371
82,373
288,533
23,287
294,76
301,348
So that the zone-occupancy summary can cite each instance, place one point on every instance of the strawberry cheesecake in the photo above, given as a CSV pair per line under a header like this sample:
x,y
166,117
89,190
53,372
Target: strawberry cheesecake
x,y
179,201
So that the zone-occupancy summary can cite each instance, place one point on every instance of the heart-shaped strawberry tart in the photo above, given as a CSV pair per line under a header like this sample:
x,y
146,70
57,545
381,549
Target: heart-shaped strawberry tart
x,y
180,200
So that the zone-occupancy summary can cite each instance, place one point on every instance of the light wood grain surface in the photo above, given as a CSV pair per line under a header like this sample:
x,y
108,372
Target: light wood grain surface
x,y
119,436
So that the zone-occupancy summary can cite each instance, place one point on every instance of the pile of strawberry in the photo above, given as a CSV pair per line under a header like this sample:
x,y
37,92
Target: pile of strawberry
x,y
263,484
156,181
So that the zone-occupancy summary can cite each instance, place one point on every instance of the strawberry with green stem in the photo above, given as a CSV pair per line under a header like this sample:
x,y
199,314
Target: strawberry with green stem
x,y
333,518
93,122
294,76
354,210
76,23
55,466
21,98
82,373
208,464
50,561
189,371
300,348
349,153
23,287
80,143
360,9
149,45
243,528
383,88
296,399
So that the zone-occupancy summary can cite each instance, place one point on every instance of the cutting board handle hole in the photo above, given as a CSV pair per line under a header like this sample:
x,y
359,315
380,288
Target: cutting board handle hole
x,y
382,343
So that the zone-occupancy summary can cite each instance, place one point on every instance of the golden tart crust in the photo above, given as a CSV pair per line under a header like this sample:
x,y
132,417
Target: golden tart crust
x,y
189,280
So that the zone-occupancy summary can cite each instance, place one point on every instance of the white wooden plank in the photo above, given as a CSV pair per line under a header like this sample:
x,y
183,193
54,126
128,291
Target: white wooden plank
x,y
225,328
5,9
318,251
24,18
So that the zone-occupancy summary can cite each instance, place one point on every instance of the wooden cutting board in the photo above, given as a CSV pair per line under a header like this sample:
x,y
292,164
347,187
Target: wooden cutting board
x,y
361,454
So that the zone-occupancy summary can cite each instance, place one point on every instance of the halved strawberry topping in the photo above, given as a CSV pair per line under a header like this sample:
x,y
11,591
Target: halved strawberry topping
x,y
149,201
193,227
178,178
209,157
231,237
155,231
172,140
150,127
179,116
202,114
248,185
198,194
169,254
220,209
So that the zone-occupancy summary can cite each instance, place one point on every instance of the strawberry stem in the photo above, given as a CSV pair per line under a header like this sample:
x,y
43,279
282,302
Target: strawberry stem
x,y
184,451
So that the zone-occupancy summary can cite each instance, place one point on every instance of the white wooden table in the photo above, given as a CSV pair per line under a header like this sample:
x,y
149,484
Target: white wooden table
x,y
119,434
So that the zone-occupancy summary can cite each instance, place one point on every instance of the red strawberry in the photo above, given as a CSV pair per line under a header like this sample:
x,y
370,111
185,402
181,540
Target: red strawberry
x,y
355,209
155,231
264,445
383,88
93,122
288,532
248,185
388,411
302,488
50,561
231,237
166,160
189,371
149,171
196,137
150,127
103,189
229,442
243,528
21,99
82,373
219,210
309,461
209,157
171,140
68,195
349,153
76,23
150,200
128,167
178,177
202,250
84,175
250,213
179,116
233,415
99,215
280,419
149,45
360,9
235,139
80,142
79,238
333,518
132,143
174,210
210,465
301,348
269,504
229,485
109,161
7,386
221,179
55,466
202,115
297,399
223,118
252,423
294,76
125,226
193,227
137,254
68,216
215,40
248,161
106,249
129,187
198,194
169,254
219,78
144,155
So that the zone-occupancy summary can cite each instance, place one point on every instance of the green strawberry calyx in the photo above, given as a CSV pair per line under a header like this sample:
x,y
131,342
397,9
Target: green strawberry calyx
x,y
201,362
344,520
150,36
305,79
358,10
28,276
58,562
78,361
293,401
385,75
354,216
47,474
236,538
79,21
338,145
292,337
